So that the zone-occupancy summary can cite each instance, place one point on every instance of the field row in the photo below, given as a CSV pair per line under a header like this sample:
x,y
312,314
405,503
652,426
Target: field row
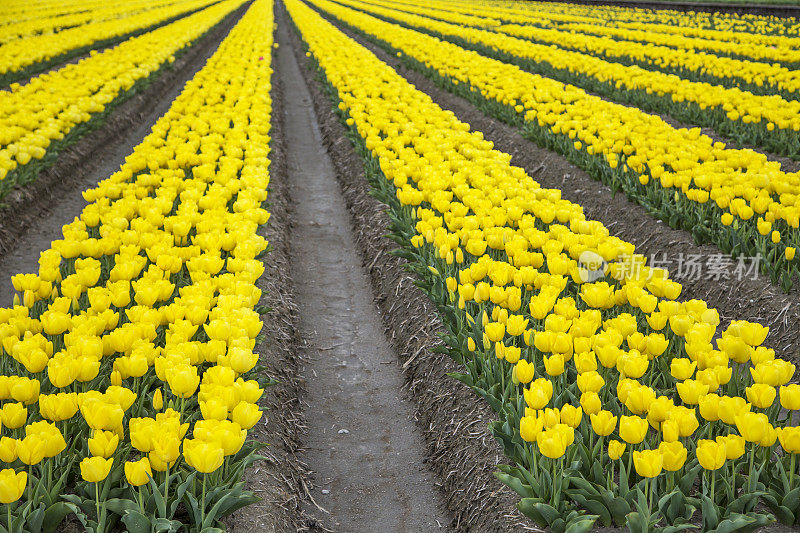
x,y
609,389
35,128
737,199
129,381
22,57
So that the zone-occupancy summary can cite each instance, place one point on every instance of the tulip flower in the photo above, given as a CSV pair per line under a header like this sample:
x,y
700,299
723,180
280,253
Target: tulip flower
x,y
616,449
761,395
603,423
710,454
95,469
12,485
682,369
138,472
590,402
790,397
571,415
632,429
158,400
103,444
648,463
524,371
551,444
752,426
183,380
530,427
32,449
554,365
246,414
14,415
673,454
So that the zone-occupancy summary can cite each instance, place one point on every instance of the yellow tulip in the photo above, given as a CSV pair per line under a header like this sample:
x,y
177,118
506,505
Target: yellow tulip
x,y
205,457
103,443
789,438
530,427
752,426
12,485
648,463
616,449
632,429
603,423
790,397
551,444
761,395
710,454
95,469
137,472
673,454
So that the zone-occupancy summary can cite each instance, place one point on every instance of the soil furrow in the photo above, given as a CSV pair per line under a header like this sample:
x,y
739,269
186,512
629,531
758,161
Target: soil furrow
x,y
461,449
361,440
35,213
703,270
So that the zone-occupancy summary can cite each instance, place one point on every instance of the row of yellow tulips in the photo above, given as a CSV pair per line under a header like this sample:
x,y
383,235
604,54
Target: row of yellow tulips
x,y
777,49
57,21
34,119
756,76
128,372
608,389
769,121
737,194
745,45
19,56
726,26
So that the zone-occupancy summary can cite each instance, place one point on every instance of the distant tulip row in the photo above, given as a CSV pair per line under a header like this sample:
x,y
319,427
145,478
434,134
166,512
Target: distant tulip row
x,y
52,19
613,397
128,376
765,120
34,125
737,199
20,56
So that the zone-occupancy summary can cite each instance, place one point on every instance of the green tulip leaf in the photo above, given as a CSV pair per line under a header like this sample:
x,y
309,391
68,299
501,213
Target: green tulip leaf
x,y
792,499
581,524
120,506
593,506
179,493
54,515
515,484
136,522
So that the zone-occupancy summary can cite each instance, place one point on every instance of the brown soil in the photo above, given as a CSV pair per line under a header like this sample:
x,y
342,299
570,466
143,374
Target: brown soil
x,y
366,453
735,299
34,214
455,421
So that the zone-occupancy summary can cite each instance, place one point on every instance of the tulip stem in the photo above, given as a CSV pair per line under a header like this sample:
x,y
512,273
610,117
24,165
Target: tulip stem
x,y
8,508
791,470
97,500
750,482
166,486
203,503
713,483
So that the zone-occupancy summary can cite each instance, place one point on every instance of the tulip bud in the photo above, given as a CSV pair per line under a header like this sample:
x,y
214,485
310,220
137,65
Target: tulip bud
x,y
158,400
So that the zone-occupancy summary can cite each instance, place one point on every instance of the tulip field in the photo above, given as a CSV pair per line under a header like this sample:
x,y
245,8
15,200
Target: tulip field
x,y
136,391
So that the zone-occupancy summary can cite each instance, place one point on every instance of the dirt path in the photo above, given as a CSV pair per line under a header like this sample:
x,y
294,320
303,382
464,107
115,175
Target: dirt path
x,y
366,451
37,212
